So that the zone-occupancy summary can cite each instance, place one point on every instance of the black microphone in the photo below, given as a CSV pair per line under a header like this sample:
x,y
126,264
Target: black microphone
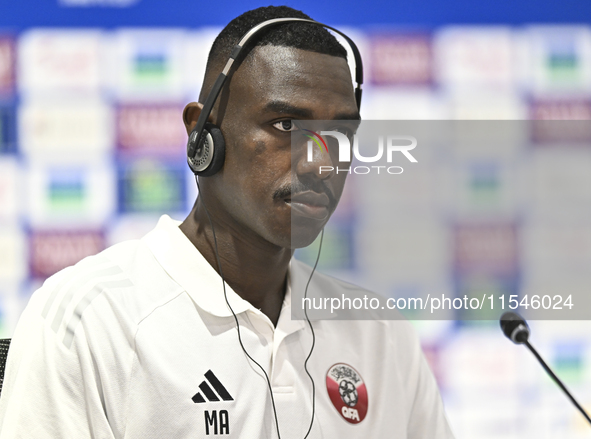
x,y
516,330
514,327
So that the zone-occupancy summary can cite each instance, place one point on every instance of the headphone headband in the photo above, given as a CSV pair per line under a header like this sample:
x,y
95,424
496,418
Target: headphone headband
x,y
198,140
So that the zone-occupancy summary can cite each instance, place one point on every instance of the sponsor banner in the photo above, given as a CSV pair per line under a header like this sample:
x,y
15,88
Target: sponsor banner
x,y
60,60
149,63
401,59
7,65
65,131
7,129
559,59
148,186
470,57
561,122
71,195
151,130
11,189
560,110
52,250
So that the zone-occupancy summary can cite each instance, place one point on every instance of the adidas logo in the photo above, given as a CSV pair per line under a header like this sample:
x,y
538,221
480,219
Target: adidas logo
x,y
208,391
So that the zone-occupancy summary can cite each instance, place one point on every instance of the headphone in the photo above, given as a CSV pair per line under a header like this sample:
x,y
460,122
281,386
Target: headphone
x,y
206,148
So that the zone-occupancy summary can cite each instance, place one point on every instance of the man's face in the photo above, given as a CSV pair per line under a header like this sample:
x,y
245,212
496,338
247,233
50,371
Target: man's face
x,y
260,192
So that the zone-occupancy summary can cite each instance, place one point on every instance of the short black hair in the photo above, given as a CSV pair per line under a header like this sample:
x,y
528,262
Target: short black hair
x,y
302,36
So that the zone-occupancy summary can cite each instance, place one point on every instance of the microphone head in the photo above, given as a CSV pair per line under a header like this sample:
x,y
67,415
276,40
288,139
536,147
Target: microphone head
x,y
514,327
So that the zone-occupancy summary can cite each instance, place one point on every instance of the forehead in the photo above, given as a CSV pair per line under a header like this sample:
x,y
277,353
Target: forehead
x,y
321,84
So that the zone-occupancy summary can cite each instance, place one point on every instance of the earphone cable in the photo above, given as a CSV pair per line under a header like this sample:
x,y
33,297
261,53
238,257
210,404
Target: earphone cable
x,y
313,336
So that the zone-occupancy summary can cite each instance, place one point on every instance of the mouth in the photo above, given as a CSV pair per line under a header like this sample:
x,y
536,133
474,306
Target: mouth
x,y
309,204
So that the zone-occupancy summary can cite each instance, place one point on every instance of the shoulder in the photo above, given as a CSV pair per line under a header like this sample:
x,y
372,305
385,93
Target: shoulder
x,y
114,289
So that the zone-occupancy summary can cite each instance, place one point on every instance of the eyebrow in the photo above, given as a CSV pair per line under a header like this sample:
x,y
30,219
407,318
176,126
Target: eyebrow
x,y
284,107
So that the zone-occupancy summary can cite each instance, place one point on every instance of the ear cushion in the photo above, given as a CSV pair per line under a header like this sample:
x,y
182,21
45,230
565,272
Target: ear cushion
x,y
210,155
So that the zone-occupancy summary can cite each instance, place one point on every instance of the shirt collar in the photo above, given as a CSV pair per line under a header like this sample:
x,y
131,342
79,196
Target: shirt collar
x,y
187,266
286,324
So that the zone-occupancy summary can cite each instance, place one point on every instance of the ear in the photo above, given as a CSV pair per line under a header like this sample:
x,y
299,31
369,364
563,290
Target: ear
x,y
191,114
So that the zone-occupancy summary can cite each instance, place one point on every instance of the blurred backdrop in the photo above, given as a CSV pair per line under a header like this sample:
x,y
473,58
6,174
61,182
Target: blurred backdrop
x,y
92,152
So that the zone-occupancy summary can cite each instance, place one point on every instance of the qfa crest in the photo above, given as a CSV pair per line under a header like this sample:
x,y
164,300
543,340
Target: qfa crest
x,y
347,392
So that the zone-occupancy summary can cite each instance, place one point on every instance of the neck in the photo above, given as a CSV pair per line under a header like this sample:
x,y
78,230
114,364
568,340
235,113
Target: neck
x,y
254,268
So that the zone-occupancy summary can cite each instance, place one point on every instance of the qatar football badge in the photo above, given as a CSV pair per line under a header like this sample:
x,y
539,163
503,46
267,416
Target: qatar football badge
x,y
347,392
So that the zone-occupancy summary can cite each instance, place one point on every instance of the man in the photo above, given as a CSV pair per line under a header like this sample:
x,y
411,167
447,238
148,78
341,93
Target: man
x,y
144,341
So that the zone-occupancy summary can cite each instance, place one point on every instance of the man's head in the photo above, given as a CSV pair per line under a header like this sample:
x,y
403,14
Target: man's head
x,y
293,71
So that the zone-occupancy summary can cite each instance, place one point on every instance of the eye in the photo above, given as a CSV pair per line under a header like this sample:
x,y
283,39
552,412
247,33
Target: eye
x,y
285,125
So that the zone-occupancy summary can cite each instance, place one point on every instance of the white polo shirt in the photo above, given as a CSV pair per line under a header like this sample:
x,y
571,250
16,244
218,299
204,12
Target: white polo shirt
x,y
138,342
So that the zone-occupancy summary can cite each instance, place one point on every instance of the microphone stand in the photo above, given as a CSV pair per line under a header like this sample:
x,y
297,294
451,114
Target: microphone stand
x,y
557,380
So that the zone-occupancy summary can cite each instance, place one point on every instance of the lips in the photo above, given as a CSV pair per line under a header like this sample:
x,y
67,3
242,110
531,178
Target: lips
x,y
310,204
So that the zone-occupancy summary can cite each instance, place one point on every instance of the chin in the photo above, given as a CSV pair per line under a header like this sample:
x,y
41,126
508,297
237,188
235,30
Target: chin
x,y
303,233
